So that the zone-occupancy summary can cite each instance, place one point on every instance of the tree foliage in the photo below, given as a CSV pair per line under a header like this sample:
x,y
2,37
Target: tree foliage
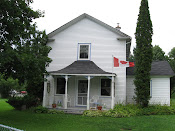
x,y
158,53
7,85
131,57
23,50
171,60
143,55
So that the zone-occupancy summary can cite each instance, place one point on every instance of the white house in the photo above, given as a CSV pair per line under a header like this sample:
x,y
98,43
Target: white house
x,y
82,71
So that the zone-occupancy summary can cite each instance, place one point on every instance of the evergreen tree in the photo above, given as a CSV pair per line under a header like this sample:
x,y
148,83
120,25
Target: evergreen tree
x,y
143,55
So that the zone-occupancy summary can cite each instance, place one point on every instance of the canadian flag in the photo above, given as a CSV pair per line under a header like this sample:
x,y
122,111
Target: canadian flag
x,y
121,63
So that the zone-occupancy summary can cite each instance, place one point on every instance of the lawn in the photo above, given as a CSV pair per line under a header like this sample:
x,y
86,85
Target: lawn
x,y
66,122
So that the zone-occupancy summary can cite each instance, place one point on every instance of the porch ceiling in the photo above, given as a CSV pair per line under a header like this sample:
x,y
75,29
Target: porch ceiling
x,y
82,68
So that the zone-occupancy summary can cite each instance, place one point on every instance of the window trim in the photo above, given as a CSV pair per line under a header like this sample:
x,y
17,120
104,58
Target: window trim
x,y
110,89
78,51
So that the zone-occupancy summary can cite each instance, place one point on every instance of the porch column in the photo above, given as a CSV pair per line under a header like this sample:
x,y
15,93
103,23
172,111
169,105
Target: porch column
x,y
88,92
112,93
65,101
44,93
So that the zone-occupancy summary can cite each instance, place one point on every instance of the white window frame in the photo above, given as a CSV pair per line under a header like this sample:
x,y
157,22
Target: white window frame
x,y
89,51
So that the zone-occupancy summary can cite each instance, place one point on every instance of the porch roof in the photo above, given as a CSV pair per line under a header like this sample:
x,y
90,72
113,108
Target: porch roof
x,y
82,68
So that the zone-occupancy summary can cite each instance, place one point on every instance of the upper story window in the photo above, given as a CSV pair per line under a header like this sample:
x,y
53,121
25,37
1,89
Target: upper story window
x,y
84,51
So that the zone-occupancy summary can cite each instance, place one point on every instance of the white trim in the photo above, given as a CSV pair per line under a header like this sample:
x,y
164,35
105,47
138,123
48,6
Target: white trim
x,y
59,94
112,63
88,92
105,97
72,22
112,93
152,76
83,74
65,101
45,93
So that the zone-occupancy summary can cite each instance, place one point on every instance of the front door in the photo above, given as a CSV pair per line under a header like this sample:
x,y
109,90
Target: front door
x,y
82,92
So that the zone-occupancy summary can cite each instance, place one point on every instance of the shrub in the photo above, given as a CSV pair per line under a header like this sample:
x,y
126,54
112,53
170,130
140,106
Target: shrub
x,y
18,102
158,110
39,109
132,110
31,101
121,110
55,112
93,113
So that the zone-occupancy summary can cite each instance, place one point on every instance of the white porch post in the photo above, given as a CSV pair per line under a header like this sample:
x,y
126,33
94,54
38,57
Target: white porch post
x,y
65,101
112,93
88,92
44,93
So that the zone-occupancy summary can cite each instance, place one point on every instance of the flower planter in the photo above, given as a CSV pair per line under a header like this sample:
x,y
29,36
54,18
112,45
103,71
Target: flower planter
x,y
99,107
54,105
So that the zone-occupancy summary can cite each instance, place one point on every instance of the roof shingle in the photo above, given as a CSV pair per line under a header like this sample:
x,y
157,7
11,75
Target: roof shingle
x,y
161,68
81,67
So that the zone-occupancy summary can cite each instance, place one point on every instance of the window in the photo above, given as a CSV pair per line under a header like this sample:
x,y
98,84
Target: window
x,y
60,86
84,52
105,87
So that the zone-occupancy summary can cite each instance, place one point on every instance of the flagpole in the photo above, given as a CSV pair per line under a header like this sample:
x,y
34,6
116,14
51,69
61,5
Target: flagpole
x,y
112,64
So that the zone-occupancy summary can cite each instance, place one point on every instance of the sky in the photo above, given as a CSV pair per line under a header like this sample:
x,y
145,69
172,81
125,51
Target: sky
x,y
111,12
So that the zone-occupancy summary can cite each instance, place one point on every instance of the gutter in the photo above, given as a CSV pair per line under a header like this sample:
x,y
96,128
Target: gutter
x,y
124,38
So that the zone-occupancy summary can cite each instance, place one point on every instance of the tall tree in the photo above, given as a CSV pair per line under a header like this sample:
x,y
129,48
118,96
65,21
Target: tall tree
x,y
23,50
171,60
143,55
158,53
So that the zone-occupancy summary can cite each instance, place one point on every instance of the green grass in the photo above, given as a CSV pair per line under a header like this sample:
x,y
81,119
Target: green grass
x,y
66,122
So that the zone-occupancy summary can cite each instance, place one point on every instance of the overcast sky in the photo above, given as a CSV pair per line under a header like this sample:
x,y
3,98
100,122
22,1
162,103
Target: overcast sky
x,y
111,12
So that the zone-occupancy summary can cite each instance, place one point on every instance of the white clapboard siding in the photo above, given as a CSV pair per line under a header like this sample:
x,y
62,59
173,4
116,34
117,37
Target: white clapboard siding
x,y
160,90
104,44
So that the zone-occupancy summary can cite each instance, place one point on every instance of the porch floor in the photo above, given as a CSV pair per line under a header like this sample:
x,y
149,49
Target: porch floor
x,y
71,110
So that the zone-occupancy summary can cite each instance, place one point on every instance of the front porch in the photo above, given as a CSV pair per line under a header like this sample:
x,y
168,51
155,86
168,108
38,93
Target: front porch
x,y
79,91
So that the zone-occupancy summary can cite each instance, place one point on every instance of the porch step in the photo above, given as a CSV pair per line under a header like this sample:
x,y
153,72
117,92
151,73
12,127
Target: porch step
x,y
78,112
72,111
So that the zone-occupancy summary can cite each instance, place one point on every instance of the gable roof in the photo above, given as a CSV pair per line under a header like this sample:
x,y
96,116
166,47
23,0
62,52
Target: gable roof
x,y
125,36
74,21
158,68
81,67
